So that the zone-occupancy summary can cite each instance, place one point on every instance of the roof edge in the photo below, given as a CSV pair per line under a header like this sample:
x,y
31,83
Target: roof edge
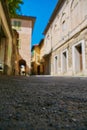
x,y
57,8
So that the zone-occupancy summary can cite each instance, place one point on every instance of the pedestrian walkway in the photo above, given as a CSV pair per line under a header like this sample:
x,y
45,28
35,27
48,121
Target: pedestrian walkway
x,y
43,103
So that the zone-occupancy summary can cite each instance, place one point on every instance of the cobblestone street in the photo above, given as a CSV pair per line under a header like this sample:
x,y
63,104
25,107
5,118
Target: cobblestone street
x,y
43,103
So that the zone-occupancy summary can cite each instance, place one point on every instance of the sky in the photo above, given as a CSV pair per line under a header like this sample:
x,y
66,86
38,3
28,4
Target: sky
x,y
42,10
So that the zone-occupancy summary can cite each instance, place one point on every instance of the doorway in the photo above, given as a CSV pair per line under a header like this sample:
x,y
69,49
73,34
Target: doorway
x,y
38,69
78,57
22,67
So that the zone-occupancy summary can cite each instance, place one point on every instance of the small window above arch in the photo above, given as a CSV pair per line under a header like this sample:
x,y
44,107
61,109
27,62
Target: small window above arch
x,y
63,21
74,3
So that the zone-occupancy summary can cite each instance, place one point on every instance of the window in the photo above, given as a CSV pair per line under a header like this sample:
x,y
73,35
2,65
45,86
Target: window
x,y
37,59
56,64
48,37
74,4
55,27
65,61
19,24
63,21
63,25
16,25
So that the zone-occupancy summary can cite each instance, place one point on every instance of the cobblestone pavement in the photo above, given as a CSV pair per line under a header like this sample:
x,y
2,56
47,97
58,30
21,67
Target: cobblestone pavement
x,y
43,103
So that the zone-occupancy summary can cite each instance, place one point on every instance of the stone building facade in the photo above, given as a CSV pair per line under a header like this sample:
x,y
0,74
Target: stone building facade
x,y
5,40
24,27
37,60
65,43
15,53
42,60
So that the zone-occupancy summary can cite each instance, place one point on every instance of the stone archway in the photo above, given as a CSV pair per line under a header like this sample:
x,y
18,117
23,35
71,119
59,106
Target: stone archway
x,y
22,67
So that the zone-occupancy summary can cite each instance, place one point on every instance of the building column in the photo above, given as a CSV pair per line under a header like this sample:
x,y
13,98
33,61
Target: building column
x,y
6,57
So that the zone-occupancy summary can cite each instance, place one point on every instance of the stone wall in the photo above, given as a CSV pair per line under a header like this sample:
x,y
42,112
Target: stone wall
x,y
68,45
66,30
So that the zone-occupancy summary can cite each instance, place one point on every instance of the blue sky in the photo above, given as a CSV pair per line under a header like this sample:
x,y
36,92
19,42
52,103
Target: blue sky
x,y
42,10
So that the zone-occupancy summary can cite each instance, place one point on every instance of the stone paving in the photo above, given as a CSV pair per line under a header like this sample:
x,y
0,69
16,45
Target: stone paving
x,y
43,103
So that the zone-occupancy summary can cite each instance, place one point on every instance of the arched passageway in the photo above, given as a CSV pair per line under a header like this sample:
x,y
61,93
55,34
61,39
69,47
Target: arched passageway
x,y
22,67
